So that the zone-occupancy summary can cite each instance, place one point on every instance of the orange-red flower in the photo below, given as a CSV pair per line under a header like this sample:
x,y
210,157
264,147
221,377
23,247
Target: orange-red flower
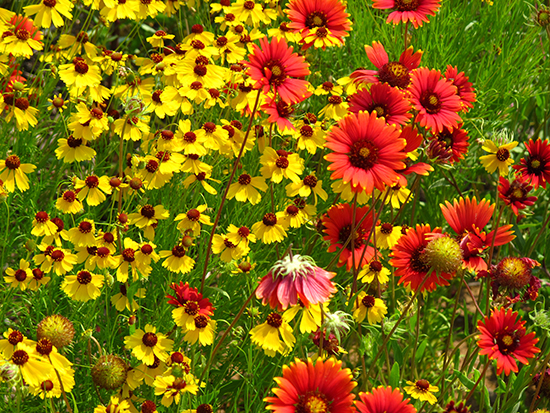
x,y
464,88
448,146
536,167
384,400
503,339
415,11
514,194
367,151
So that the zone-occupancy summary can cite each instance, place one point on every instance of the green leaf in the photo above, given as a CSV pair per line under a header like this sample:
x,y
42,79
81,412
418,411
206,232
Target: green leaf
x,y
465,380
420,350
395,375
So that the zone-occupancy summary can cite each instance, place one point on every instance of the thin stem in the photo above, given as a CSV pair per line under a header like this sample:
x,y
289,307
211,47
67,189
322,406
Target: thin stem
x,y
539,385
542,229
224,197
473,298
416,335
477,382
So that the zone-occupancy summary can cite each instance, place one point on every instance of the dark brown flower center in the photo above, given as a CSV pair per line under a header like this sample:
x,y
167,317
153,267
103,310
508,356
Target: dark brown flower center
x,y
209,127
149,339
316,19
292,210
306,131
503,154
84,277
152,166
363,154
12,162
368,301
431,102
193,215
80,65
201,321
274,320
278,73
417,262
15,337
128,255
48,384
92,181
386,228
335,100
20,275
358,239
167,135
375,266
269,219
58,255
148,211
22,34
19,357
395,74
406,5
22,103
178,251
312,402
282,162
156,96
200,70
191,307
228,244
243,232
85,227
422,385
44,346
102,252
244,179
41,217
310,181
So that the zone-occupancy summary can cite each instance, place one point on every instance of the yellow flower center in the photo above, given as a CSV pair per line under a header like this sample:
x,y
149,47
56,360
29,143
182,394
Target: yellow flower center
x,y
364,152
507,340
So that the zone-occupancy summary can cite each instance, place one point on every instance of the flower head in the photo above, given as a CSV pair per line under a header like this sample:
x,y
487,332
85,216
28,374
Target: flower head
x,y
515,193
145,345
414,11
422,390
499,157
384,400
535,168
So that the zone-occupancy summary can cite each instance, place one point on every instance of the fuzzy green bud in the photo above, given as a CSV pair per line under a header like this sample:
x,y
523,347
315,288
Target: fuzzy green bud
x,y
109,372
56,328
443,254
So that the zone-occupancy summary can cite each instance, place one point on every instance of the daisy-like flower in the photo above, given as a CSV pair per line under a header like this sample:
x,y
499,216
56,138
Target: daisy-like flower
x,y
268,335
115,405
12,338
171,388
336,108
19,278
514,194
203,332
422,390
503,338
74,149
498,158
384,400
148,215
42,225
93,189
176,260
396,74
279,113
13,173
449,145
366,151
246,189
436,100
190,304
415,11
338,227
387,235
79,74
25,114
49,11
326,22
463,87
60,260
293,279
83,235
84,286
269,230
69,203
145,345
192,219
310,318
383,100
228,250
309,137
280,164
536,166
321,387
273,65
374,270
310,184
23,39
370,307
31,365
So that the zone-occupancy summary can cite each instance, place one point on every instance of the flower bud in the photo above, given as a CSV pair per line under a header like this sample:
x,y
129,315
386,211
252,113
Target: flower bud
x,y
109,372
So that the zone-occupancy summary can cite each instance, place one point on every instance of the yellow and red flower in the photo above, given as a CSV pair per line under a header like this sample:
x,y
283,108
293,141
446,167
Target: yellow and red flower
x,y
535,168
384,400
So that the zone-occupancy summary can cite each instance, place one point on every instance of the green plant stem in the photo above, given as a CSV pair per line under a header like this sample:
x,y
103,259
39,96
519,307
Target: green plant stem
x,y
541,380
482,375
224,197
542,229
473,298
416,335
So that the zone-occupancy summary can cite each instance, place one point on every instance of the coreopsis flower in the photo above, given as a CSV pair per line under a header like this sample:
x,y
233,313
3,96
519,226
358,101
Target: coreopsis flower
x,y
319,24
368,306
228,250
297,214
396,74
268,335
515,193
190,304
74,149
535,167
203,332
273,65
145,345
157,40
415,12
214,137
269,229
25,115
38,279
374,270
13,173
335,109
31,365
150,8
79,74
23,39
147,216
240,235
11,339
366,151
202,178
103,258
310,315
93,189
50,11
323,385
60,260
151,175
383,100
163,102
468,219
132,127
503,337
338,227
295,279
310,184
116,405
120,9
384,400
84,286
309,137
171,388
422,390
435,99
464,88
19,278
57,102
280,164
128,263
69,203
387,235
499,157
177,260
245,189
192,220
121,301
83,234
42,225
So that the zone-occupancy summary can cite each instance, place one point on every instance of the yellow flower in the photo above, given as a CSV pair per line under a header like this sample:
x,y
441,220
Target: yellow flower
x,y
42,225
13,337
19,278
297,214
61,260
245,189
374,270
157,40
116,405
176,260
304,188
133,128
79,74
120,9
12,173
69,203
50,11
499,157
171,388
310,319
202,178
387,235
228,250
203,332
336,108
73,149
84,286
239,235
193,219
395,195
25,114
57,102
269,230
368,306
121,300
148,215
145,345
22,42
281,164
83,235
93,189
422,390
309,138
30,364
266,335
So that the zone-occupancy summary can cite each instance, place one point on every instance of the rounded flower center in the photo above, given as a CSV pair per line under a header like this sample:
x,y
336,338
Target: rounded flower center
x,y
192,308
282,162
69,196
503,155
84,277
193,215
44,346
507,343
178,251
274,320
73,142
292,210
12,162
417,262
380,110
395,74
358,238
103,252
316,19
386,228
534,165
430,101
149,339
278,74
85,227
41,217
19,357
80,66
92,181
15,337
310,181
368,301
375,266
249,5
22,34
20,275
58,255
422,385
152,166
406,5
363,154
243,232
312,402
128,255
201,321
228,244
148,211
47,385
244,179
269,219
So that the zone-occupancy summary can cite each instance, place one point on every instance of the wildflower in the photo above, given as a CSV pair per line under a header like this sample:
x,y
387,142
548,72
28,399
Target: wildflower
x,y
30,364
368,306
456,408
323,386
49,11
116,405
56,328
84,286
79,74
396,74
240,235
57,102
25,114
279,113
366,151
19,278
145,345
245,189
121,301
383,100
384,400
192,219
74,149
443,254
24,37
514,194
171,388
203,331
422,390
464,88
513,272
448,146
42,225
311,315
176,260
37,279
536,167
295,278
120,9
415,12
266,335
61,260
435,99
280,164
269,230
190,304
13,173
499,157
83,235
109,372
309,137
374,270
228,250
387,235
93,189
310,184
202,177
272,66
338,226
12,338
503,337
148,215
336,108
297,214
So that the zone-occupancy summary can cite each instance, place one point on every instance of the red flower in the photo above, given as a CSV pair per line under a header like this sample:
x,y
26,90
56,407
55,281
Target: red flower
x,y
503,339
185,294
468,218
448,146
435,99
396,74
338,225
536,168
415,11
295,278
326,18
464,88
413,139
367,151
279,112
515,194
272,65
385,101
305,387
409,263
384,400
